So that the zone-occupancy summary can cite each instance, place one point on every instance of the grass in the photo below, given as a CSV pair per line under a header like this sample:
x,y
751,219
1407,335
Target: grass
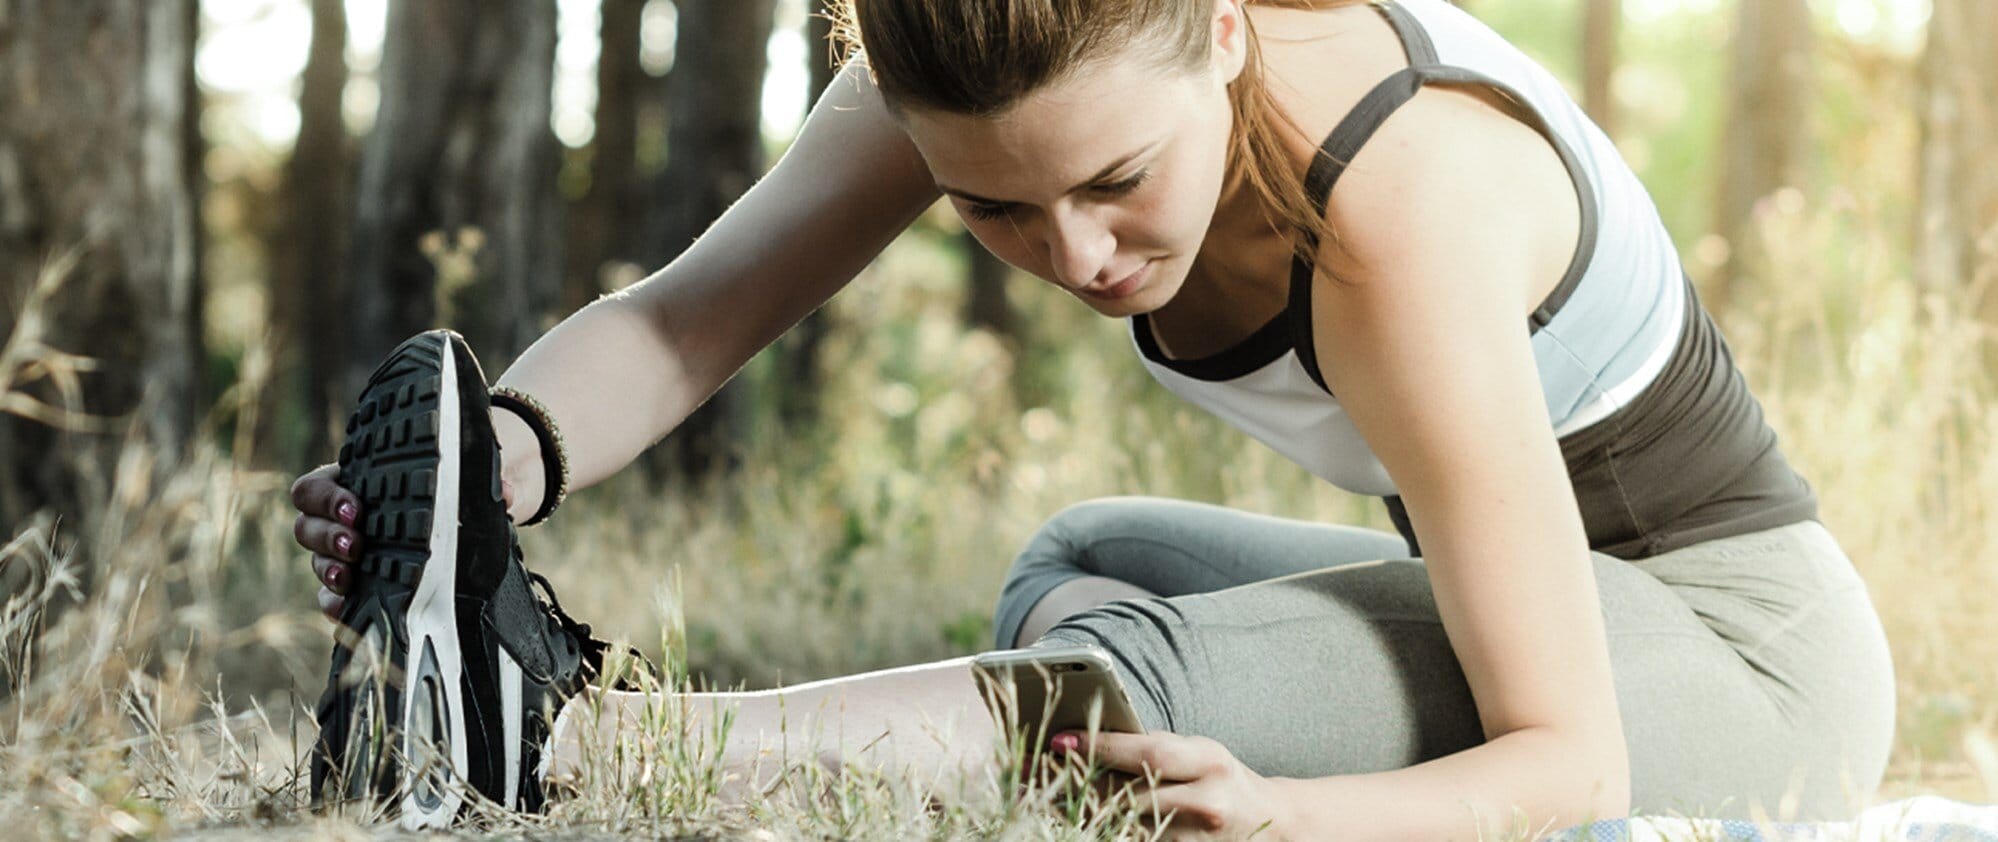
x,y
167,691
158,670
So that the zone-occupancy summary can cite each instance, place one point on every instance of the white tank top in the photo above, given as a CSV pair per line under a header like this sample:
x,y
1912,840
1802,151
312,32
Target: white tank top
x,y
1602,336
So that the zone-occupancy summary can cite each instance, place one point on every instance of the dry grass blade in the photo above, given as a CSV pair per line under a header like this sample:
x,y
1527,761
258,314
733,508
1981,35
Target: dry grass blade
x,y
879,539
25,359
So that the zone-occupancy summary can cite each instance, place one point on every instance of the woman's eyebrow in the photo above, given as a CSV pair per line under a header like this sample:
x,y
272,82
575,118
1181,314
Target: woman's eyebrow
x,y
1099,176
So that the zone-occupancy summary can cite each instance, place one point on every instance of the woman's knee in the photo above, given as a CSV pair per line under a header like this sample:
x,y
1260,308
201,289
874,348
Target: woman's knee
x,y
1366,682
1064,538
1059,552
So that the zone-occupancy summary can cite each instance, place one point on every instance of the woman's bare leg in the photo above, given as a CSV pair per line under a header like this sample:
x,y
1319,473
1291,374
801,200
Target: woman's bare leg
x,y
925,721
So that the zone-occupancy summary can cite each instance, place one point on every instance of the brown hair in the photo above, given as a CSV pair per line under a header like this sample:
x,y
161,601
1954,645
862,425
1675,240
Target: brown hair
x,y
981,57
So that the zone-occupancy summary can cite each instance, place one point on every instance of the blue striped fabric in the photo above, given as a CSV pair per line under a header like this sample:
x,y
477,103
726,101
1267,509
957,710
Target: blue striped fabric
x,y
1920,819
1740,831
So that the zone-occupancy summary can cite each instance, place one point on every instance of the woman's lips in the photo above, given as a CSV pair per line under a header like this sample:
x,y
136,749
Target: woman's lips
x,y
1123,288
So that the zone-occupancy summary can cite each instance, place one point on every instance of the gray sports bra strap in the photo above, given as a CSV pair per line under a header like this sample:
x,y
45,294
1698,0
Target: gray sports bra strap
x,y
1415,41
1373,109
1355,130
1339,147
1359,126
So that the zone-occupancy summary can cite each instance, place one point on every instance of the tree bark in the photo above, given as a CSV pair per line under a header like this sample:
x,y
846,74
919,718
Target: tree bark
x,y
610,218
801,346
1956,241
714,151
318,200
457,183
714,144
94,160
821,58
194,173
1768,126
1600,19
985,304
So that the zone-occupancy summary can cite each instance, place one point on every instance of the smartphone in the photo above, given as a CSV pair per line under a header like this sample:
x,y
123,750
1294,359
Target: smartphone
x,y
1040,692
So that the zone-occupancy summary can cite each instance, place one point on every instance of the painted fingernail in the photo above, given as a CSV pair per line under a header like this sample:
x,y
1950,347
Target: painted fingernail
x,y
344,543
1065,742
347,511
336,577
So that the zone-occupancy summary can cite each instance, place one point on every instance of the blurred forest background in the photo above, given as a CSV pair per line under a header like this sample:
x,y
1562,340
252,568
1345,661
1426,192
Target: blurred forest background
x,y
217,215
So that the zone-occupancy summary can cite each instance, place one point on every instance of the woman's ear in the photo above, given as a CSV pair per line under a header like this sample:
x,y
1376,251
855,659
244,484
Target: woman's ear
x,y
1230,26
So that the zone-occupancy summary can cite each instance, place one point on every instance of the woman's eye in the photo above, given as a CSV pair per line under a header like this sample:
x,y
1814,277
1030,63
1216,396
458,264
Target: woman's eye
x,y
983,211
1125,187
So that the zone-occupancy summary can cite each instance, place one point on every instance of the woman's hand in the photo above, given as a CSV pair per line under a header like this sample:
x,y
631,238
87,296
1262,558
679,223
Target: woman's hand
x,y
328,527
1192,786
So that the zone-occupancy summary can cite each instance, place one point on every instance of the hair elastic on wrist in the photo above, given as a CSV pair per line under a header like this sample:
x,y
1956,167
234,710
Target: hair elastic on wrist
x,y
554,454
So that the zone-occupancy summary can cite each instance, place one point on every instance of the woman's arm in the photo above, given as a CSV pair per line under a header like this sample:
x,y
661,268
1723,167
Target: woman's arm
x,y
621,373
1455,221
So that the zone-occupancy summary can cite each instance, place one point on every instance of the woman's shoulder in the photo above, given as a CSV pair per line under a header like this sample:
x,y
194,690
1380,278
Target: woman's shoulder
x,y
1450,155
1449,172
1318,64
1446,159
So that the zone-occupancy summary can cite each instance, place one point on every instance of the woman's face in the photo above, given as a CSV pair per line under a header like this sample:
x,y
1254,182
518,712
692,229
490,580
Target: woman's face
x,y
1103,183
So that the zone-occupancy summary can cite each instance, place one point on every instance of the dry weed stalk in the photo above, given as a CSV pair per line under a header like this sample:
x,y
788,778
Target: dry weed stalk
x,y
26,359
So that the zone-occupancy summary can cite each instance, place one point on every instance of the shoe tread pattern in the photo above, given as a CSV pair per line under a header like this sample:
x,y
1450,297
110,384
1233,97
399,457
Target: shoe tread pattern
x,y
390,461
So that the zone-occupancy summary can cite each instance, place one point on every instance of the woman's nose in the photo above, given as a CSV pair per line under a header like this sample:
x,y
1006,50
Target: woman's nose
x,y
1079,246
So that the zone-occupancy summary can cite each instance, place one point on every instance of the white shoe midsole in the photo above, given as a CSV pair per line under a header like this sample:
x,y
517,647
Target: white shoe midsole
x,y
510,712
432,620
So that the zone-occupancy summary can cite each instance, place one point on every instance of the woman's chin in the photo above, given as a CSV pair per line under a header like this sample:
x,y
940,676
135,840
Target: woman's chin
x,y
1123,308
1154,292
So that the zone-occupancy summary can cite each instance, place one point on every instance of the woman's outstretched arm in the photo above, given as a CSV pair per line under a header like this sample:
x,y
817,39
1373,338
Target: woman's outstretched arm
x,y
621,373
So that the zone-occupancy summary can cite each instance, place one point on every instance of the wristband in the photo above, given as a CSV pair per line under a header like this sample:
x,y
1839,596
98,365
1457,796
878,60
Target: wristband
x,y
554,456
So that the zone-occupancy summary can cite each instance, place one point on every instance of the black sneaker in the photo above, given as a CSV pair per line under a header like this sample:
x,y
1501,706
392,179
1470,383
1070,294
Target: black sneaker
x,y
448,668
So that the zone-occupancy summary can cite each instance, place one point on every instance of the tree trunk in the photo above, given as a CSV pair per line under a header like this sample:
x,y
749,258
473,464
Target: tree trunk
x,y
94,160
1768,127
800,358
194,174
821,58
1956,242
714,151
310,258
610,219
714,143
1599,33
456,213
985,304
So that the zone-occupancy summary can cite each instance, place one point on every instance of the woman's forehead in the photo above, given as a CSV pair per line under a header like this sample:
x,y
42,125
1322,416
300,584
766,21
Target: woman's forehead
x,y
1054,139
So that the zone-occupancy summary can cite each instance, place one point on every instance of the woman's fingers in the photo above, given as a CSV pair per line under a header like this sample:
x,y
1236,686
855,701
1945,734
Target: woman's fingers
x,y
316,493
326,527
330,603
1185,807
335,574
324,537
335,577
1169,757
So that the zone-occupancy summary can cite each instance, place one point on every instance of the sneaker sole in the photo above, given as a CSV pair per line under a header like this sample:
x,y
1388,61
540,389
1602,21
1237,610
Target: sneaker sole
x,y
403,459
433,712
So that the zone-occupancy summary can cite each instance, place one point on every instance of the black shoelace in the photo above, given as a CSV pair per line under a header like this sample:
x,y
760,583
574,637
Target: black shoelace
x,y
580,635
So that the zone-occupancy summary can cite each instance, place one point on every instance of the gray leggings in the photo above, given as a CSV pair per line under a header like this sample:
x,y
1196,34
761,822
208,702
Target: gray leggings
x,y
1751,671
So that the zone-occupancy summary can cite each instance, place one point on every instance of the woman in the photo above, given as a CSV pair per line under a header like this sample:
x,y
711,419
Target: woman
x,y
1610,592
